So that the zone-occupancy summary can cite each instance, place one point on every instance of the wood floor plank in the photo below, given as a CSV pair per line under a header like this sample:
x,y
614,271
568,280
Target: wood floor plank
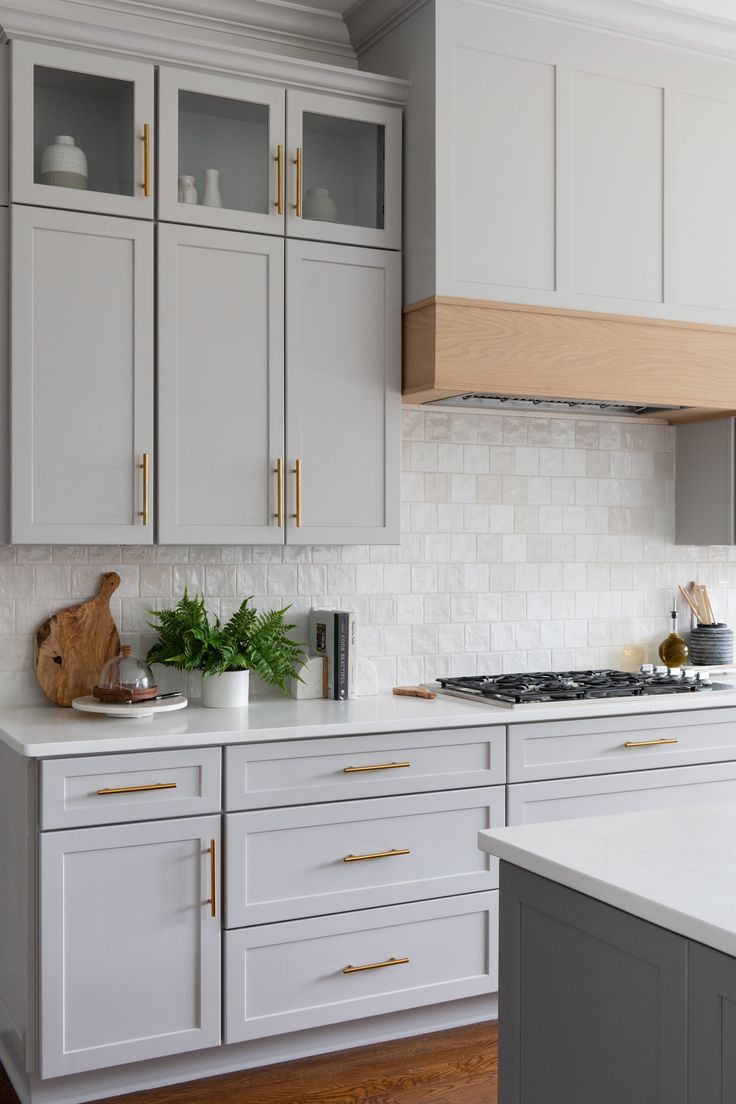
x,y
448,1067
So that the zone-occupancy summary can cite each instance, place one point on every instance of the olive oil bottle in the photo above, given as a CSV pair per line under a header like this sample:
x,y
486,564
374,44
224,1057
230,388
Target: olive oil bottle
x,y
673,649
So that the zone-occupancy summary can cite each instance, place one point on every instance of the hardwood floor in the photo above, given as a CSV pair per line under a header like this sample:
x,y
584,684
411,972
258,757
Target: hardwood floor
x,y
449,1067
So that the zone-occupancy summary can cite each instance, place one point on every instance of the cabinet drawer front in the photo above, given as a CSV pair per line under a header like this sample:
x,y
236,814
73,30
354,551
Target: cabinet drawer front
x,y
567,798
287,863
563,749
110,789
285,977
264,775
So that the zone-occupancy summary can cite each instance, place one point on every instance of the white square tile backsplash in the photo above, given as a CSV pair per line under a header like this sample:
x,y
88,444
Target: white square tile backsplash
x,y
527,543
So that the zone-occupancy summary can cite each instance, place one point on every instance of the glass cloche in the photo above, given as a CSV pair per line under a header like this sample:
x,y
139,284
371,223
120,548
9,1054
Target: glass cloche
x,y
125,678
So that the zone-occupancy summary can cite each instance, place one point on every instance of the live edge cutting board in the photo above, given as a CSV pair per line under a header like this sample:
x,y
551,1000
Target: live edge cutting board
x,y
74,644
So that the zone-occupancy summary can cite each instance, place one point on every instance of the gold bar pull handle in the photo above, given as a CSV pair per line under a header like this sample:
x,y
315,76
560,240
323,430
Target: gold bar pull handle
x,y
297,472
374,767
299,162
378,855
279,472
146,159
279,159
144,469
213,878
650,743
375,965
136,789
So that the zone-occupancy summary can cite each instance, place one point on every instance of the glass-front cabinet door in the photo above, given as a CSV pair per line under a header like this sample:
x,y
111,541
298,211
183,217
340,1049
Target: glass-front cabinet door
x,y
344,180
221,152
82,131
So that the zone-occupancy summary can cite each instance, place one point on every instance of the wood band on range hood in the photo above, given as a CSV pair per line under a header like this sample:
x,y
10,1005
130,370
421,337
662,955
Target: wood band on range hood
x,y
454,346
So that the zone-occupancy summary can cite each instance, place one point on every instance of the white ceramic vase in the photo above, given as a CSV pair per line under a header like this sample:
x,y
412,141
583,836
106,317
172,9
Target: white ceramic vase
x,y
63,164
320,205
187,192
226,691
212,197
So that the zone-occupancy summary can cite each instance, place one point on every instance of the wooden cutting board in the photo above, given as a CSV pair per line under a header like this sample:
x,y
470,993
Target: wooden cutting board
x,y
74,644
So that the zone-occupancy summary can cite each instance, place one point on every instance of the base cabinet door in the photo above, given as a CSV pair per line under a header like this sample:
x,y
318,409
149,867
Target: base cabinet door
x,y
130,943
593,1001
81,378
221,339
712,1028
343,394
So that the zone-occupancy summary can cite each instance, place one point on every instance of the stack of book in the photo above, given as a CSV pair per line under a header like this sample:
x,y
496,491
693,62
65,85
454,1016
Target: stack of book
x,y
333,634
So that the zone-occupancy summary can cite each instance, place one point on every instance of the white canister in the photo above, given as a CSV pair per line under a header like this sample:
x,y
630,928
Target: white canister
x,y
212,197
187,193
320,205
226,691
63,164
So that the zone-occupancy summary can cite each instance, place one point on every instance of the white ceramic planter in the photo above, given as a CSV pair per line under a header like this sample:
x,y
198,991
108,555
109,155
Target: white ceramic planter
x,y
226,691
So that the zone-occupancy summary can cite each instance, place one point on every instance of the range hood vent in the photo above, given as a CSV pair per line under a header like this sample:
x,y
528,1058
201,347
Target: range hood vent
x,y
540,405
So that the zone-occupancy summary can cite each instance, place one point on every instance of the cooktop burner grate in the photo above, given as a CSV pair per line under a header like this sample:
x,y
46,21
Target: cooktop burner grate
x,y
550,686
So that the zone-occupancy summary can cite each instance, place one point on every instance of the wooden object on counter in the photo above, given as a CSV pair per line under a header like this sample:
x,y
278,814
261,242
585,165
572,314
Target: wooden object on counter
x,y
454,346
414,692
74,644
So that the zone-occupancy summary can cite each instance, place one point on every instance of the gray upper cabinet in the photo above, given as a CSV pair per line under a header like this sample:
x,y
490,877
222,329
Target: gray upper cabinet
x,y
221,386
103,108
228,135
343,387
129,943
705,491
81,378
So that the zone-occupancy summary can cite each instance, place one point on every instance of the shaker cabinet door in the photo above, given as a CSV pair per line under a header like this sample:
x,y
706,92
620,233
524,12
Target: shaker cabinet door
x,y
221,387
82,378
343,388
712,1027
130,948
82,130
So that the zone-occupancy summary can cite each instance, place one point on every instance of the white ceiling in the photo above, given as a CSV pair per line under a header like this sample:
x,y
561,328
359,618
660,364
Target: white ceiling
x,y
337,6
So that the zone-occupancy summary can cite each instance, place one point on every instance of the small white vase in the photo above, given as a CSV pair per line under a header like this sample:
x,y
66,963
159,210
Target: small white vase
x,y
212,197
63,164
187,192
320,205
226,691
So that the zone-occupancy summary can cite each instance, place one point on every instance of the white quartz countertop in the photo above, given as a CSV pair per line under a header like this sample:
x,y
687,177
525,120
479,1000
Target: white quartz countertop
x,y
47,730
673,867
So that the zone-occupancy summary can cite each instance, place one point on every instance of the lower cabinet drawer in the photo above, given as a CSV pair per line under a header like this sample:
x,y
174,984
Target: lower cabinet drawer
x,y
138,785
286,977
288,863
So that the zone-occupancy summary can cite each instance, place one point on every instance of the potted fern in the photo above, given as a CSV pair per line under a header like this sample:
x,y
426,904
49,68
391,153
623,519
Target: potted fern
x,y
226,654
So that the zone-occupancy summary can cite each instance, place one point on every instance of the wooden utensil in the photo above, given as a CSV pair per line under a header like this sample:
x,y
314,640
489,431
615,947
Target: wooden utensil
x,y
414,692
75,643
686,595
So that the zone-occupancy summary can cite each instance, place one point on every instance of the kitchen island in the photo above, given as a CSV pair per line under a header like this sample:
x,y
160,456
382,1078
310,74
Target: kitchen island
x,y
618,958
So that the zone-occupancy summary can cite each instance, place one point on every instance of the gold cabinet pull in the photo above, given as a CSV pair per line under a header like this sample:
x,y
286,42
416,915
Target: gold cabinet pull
x,y
279,159
213,878
279,472
136,789
146,159
299,161
374,766
297,472
144,469
375,965
650,743
378,855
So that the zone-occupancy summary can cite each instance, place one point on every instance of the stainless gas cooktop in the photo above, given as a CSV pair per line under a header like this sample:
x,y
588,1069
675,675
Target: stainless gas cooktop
x,y
560,686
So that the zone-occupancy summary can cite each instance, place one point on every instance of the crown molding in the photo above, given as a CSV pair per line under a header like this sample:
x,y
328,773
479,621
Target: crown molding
x,y
653,21
368,21
277,26
172,36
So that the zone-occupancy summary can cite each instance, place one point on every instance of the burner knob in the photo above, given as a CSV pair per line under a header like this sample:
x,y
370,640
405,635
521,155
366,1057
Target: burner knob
x,y
703,676
675,672
660,670
647,668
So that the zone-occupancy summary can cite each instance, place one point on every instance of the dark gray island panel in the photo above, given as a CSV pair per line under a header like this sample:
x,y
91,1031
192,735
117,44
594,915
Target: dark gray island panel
x,y
593,1001
712,1049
